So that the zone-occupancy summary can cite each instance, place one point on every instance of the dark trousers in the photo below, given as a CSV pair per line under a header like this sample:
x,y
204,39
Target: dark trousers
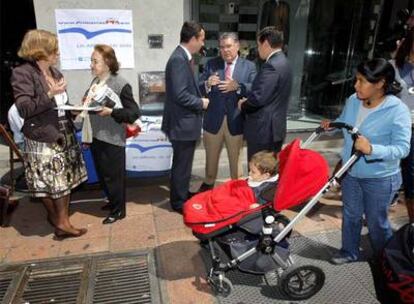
x,y
407,166
253,148
110,166
183,155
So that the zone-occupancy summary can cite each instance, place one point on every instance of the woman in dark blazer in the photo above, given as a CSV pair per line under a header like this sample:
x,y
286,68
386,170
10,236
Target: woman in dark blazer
x,y
52,157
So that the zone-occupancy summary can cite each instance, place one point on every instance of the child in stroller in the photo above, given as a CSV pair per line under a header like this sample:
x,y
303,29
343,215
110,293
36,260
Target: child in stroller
x,y
263,169
241,232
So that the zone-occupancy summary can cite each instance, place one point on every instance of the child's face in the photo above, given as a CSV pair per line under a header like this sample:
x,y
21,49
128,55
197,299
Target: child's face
x,y
255,174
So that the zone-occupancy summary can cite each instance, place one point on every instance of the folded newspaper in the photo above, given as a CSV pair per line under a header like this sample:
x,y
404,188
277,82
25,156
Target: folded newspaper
x,y
79,108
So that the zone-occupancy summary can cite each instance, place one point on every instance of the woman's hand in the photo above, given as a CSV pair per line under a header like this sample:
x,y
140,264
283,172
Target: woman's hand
x,y
57,88
105,112
325,124
363,145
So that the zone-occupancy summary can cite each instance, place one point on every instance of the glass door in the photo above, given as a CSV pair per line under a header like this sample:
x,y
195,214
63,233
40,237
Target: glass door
x,y
340,35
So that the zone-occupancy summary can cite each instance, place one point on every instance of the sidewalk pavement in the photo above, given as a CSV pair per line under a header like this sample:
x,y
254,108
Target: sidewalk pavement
x,y
150,224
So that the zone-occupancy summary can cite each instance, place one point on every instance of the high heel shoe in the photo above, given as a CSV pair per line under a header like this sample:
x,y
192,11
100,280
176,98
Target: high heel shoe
x,y
62,234
113,217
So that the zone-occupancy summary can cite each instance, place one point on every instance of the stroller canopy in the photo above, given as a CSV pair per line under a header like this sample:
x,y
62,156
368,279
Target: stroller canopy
x,y
302,174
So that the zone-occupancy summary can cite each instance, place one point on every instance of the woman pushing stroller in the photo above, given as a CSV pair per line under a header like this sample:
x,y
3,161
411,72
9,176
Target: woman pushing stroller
x,y
370,184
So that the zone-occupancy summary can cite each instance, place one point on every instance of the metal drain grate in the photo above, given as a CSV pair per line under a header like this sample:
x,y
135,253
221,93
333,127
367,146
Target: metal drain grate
x,y
5,281
101,279
53,286
122,281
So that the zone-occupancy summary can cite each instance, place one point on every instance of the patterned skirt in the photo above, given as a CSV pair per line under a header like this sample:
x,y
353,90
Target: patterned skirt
x,y
53,169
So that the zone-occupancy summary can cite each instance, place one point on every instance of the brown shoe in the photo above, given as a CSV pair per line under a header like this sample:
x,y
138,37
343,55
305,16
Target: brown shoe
x,y
62,234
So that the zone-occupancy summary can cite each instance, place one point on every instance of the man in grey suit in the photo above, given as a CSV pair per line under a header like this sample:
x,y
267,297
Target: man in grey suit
x,y
225,79
183,110
267,104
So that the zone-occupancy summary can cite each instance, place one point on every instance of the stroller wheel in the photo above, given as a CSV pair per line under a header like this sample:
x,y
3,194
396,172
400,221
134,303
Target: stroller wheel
x,y
301,282
220,285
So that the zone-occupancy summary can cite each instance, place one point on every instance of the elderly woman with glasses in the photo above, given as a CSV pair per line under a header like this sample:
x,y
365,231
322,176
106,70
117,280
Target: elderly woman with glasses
x,y
105,130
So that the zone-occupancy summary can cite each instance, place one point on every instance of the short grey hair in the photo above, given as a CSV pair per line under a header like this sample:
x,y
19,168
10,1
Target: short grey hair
x,y
231,35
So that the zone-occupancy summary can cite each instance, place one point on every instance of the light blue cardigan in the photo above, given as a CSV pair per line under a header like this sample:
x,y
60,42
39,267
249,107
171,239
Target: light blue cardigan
x,y
388,128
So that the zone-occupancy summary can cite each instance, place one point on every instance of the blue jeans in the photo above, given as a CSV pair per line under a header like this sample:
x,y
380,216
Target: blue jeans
x,y
372,197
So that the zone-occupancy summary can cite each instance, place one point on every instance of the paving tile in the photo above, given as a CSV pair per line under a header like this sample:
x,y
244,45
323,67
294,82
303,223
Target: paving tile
x,y
187,260
132,225
167,236
83,245
138,207
95,229
185,278
162,208
33,249
133,232
7,235
169,221
154,193
134,241
3,253
190,291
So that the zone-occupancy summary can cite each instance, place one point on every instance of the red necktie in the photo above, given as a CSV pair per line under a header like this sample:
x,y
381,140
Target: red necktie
x,y
227,71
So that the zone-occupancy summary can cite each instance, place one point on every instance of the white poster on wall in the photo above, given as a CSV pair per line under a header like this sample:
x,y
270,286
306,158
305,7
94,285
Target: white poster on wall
x,y
79,30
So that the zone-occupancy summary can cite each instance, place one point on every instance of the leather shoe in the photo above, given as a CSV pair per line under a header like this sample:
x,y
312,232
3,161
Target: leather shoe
x,y
205,187
113,217
340,259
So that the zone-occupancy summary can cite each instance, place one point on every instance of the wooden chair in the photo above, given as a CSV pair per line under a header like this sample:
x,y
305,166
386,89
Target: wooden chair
x,y
8,201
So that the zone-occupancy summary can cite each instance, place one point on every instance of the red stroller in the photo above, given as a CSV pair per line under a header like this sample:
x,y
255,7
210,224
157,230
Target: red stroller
x,y
256,240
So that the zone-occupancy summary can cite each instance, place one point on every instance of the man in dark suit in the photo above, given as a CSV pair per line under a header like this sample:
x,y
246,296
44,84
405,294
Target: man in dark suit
x,y
225,79
183,110
267,104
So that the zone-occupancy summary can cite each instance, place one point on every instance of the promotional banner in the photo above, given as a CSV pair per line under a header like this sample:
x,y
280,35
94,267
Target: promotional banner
x,y
150,151
79,30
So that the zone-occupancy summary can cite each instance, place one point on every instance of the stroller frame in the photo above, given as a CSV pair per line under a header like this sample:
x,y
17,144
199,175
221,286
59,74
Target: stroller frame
x,y
288,276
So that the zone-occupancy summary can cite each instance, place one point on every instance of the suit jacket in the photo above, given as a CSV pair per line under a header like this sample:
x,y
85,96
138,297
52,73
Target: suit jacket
x,y
183,106
267,104
35,107
226,103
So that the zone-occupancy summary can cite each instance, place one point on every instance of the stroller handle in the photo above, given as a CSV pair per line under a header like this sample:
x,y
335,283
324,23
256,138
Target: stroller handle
x,y
332,125
339,125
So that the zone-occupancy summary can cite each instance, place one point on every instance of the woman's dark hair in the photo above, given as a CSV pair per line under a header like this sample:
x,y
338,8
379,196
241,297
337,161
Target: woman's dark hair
x,y
404,49
189,30
109,57
378,69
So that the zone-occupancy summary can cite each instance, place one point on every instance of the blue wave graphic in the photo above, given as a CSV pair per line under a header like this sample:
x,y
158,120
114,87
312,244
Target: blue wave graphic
x,y
145,149
89,34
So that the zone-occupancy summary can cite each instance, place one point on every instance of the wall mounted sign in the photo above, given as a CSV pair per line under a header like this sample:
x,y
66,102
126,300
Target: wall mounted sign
x,y
79,30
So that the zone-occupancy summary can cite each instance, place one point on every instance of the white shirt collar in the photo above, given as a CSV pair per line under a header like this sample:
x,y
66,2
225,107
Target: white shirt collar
x,y
187,52
272,53
254,184
233,62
